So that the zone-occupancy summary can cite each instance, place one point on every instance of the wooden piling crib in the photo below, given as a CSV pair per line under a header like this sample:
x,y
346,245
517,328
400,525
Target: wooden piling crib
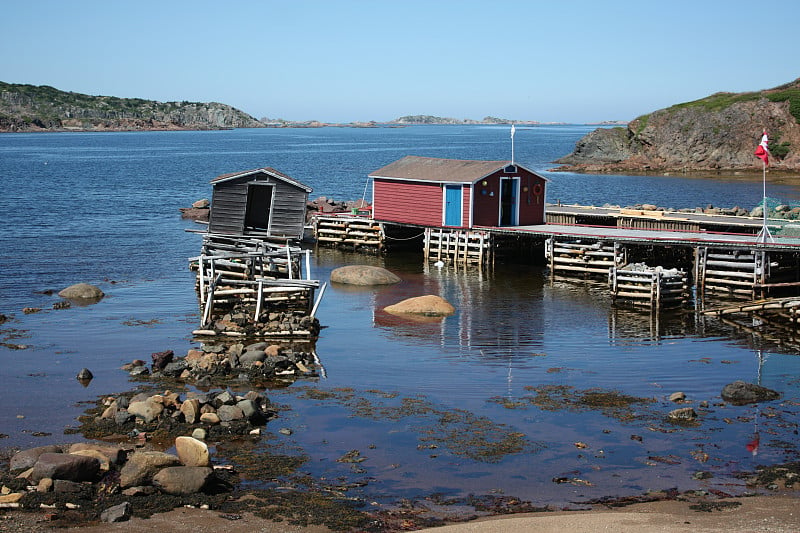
x,y
254,288
457,246
583,257
357,231
749,273
653,287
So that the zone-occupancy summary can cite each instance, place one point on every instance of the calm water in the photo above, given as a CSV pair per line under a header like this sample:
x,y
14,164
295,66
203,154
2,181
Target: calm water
x,y
103,208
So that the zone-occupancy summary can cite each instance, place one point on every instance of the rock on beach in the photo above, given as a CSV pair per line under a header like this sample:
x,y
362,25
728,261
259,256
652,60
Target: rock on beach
x,y
192,452
143,465
65,466
181,480
25,459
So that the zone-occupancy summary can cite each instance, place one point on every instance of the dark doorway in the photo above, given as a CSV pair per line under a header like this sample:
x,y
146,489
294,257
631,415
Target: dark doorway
x,y
508,201
259,201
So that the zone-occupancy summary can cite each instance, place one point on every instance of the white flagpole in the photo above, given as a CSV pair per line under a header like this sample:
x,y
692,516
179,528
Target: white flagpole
x,y
512,144
764,234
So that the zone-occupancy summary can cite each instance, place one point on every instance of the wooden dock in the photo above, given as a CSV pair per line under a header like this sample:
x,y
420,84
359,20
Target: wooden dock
x,y
719,254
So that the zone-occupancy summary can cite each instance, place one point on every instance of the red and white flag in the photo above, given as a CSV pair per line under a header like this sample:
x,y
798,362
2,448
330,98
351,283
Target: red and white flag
x,y
762,150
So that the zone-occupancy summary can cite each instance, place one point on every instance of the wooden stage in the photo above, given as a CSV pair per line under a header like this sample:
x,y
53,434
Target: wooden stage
x,y
648,236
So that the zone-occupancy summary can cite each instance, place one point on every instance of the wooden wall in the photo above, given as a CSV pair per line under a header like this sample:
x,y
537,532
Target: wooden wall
x,y
229,205
408,202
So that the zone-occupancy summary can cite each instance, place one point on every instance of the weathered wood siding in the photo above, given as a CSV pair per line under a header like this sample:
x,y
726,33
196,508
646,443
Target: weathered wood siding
x,y
229,206
408,202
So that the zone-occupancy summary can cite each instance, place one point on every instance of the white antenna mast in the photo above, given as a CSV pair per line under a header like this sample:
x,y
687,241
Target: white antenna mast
x,y
512,144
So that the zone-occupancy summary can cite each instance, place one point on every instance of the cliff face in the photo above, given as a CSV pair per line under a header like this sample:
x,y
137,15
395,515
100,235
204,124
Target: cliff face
x,y
720,132
43,108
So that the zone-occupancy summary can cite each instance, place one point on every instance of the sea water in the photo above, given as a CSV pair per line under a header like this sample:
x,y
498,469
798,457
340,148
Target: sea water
x,y
455,406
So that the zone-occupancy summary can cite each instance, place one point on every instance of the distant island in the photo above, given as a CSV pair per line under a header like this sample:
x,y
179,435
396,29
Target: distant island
x,y
409,120
27,108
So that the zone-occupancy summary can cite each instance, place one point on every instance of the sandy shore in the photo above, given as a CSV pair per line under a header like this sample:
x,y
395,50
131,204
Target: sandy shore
x,y
775,514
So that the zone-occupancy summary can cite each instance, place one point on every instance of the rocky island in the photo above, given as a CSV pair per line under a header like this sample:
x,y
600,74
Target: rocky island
x,y
44,108
716,133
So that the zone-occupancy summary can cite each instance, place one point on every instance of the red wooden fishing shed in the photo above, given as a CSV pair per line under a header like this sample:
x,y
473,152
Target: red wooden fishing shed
x,y
455,193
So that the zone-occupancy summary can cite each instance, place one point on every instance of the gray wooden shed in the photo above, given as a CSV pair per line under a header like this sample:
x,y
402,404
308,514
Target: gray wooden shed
x,y
262,202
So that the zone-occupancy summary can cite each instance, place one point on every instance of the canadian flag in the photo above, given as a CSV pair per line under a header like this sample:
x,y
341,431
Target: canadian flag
x,y
762,150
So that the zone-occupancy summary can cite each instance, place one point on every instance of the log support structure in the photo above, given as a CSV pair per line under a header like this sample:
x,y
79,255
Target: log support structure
x,y
746,272
253,279
458,247
653,287
354,231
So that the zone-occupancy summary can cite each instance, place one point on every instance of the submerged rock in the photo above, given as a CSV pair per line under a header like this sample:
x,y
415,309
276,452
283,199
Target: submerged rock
x,y
742,393
363,275
82,291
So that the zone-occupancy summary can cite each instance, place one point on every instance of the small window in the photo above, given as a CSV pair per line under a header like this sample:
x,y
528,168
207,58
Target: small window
x,y
510,169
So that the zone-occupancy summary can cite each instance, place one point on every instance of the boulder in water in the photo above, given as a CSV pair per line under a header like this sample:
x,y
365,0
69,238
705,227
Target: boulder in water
x,y
742,393
363,275
428,305
82,291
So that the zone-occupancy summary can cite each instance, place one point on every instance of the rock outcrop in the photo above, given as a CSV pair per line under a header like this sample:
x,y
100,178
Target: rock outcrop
x,y
717,133
43,108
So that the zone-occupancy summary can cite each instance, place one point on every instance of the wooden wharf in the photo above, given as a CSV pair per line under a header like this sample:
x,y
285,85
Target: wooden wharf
x,y
715,253
722,263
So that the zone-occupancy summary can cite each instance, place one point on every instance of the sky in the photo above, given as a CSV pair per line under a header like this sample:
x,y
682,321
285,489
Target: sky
x,y
356,60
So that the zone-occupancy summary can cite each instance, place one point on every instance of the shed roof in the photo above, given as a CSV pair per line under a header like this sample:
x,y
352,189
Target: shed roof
x,y
265,170
433,169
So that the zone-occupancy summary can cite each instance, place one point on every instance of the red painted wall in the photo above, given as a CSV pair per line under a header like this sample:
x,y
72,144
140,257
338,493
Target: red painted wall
x,y
422,203
486,204
486,209
408,202
531,204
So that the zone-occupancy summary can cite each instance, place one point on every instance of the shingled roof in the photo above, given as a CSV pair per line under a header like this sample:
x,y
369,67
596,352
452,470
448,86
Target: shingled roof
x,y
265,170
433,169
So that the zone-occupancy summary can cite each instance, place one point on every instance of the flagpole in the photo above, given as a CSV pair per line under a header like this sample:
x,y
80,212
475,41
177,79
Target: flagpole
x,y
512,144
762,152
765,234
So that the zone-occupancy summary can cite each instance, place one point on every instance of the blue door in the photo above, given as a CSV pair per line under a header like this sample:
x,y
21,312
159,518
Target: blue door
x,y
452,205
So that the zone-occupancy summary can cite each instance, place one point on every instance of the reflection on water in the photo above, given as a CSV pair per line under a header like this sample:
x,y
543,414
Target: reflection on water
x,y
516,332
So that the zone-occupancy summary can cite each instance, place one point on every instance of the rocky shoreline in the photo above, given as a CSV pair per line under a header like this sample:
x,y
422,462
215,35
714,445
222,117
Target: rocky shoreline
x,y
125,469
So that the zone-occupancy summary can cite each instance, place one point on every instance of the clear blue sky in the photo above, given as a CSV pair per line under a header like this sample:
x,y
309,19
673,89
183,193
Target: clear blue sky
x,y
347,60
